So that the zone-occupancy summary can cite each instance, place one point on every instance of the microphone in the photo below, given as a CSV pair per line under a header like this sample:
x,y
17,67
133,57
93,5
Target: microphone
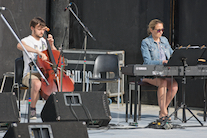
x,y
2,8
68,6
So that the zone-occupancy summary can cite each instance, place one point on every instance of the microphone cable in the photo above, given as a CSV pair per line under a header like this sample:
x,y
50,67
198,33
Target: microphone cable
x,y
76,7
71,108
13,21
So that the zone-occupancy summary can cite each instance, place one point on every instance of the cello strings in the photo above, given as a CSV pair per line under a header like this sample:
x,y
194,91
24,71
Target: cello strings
x,y
57,67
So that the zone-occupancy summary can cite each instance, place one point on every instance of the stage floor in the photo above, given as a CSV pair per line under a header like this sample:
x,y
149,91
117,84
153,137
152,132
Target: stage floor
x,y
119,128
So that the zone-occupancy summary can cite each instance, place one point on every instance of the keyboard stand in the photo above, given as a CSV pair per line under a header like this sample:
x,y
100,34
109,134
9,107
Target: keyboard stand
x,y
183,105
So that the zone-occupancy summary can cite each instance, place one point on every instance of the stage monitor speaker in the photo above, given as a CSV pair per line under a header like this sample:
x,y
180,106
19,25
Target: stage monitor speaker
x,y
8,108
47,130
91,107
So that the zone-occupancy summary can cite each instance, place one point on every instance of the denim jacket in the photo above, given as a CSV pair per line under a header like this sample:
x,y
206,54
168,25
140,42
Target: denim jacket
x,y
150,51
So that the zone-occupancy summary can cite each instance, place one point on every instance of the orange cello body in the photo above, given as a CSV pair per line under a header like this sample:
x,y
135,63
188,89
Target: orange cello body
x,y
52,78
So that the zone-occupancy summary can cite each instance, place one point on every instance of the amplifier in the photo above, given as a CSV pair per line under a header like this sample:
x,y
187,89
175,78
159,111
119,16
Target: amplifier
x,y
90,107
47,130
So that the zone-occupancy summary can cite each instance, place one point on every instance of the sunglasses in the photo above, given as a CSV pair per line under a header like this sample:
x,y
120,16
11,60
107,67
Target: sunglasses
x,y
159,30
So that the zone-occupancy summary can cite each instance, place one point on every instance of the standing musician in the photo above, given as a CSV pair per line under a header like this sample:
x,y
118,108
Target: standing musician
x,y
34,44
156,50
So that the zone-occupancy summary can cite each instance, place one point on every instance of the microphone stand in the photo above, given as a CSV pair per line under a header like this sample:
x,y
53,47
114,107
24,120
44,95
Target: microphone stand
x,y
86,31
31,63
61,69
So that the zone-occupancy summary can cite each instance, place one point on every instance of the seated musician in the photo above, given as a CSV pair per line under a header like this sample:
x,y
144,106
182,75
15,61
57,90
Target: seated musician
x,y
34,44
156,50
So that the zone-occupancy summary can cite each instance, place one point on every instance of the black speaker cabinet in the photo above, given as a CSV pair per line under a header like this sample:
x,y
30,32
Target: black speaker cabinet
x,y
91,107
47,130
8,108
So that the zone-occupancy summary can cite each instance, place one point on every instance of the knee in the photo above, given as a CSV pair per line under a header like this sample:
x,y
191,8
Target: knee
x,y
174,87
36,84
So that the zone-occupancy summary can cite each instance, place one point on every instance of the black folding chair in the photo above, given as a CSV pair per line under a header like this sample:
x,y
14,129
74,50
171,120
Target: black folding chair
x,y
107,63
18,74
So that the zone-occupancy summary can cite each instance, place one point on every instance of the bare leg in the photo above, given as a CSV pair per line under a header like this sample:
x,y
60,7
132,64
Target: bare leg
x,y
35,87
161,83
161,96
172,90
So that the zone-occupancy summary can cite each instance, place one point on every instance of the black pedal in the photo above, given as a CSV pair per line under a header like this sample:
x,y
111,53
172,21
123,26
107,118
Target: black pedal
x,y
160,124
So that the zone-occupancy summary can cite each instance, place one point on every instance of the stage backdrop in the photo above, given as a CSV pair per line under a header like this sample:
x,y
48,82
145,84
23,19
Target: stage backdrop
x,y
117,25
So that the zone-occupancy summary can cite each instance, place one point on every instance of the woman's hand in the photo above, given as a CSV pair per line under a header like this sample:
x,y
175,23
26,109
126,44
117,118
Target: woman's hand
x,y
164,62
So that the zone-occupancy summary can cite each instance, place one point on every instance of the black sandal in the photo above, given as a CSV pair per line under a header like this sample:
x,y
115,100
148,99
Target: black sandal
x,y
164,118
169,118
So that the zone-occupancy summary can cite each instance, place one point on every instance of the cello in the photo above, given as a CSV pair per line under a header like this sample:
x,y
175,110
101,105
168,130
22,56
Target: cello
x,y
51,70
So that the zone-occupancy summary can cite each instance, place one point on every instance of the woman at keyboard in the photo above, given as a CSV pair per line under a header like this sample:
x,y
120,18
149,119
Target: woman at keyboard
x,y
156,50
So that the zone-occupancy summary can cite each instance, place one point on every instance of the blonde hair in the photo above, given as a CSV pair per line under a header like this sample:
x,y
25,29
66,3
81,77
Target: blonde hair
x,y
152,25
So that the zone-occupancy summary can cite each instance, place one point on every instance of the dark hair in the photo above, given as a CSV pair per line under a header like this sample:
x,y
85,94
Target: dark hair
x,y
152,25
37,21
